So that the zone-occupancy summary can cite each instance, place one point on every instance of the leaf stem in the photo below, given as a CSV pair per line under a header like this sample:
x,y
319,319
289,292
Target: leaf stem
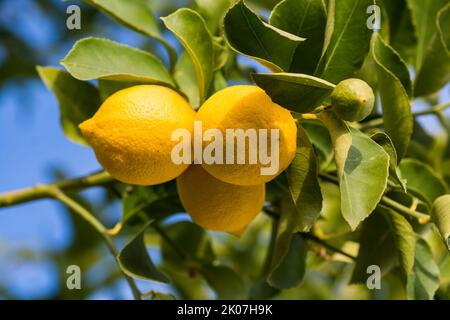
x,y
422,217
99,227
309,236
45,191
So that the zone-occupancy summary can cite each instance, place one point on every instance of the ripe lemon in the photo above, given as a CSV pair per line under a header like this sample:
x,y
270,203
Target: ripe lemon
x,y
131,133
248,107
217,205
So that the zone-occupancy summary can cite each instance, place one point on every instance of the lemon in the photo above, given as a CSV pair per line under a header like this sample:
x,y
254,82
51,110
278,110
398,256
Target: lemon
x,y
352,100
131,133
248,107
217,205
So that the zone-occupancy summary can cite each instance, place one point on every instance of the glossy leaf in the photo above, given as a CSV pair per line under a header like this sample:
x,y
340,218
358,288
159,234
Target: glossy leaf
x,y
291,270
213,11
363,169
284,228
220,55
297,92
186,79
404,240
149,202
376,248
384,141
191,240
225,282
422,180
190,29
78,100
109,87
307,19
441,217
397,115
424,279
96,58
248,34
435,68
134,14
401,29
302,176
135,260
424,19
347,39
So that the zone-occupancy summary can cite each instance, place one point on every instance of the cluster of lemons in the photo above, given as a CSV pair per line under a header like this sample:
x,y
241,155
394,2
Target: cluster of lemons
x,y
131,136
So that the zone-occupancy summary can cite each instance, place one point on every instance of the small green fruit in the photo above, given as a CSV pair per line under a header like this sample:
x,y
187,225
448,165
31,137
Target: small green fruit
x,y
352,100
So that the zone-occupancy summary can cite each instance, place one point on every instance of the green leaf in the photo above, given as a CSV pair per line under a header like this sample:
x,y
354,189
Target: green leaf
x,y
109,87
149,202
284,228
213,11
78,100
302,176
221,55
441,217
225,282
249,35
404,240
297,92
191,240
186,79
435,68
424,19
134,14
135,260
402,34
376,248
397,115
96,58
424,279
320,138
363,169
386,143
291,270
347,39
190,29
307,19
422,180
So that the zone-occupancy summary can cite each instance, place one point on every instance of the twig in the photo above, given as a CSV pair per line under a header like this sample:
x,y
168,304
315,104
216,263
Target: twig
x,y
317,240
45,191
99,227
307,236
422,217
438,109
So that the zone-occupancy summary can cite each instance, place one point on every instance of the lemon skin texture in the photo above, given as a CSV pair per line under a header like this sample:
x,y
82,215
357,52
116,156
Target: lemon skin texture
x,y
131,133
216,205
248,107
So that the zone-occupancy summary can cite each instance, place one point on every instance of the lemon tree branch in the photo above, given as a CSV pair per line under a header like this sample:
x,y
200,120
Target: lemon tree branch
x,y
437,110
45,191
99,227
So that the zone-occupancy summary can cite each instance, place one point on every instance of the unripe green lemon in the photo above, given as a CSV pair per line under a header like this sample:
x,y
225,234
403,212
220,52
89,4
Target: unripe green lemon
x,y
352,100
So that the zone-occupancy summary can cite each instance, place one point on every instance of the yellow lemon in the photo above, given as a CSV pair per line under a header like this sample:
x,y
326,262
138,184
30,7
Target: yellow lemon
x,y
217,205
249,107
131,133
